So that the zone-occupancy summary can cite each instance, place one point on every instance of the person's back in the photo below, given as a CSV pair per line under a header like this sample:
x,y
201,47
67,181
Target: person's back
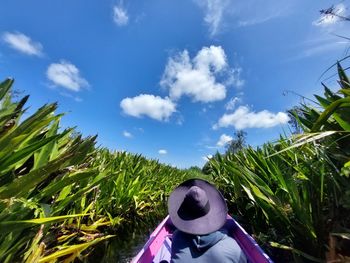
x,y
198,210
211,248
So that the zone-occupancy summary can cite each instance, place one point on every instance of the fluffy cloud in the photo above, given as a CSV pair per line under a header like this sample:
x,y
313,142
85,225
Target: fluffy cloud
x,y
224,139
331,17
120,15
127,134
243,118
214,13
23,43
162,151
66,75
197,77
148,105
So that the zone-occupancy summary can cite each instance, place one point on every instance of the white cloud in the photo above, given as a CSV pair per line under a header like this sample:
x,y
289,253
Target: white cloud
x,y
214,13
331,17
120,15
224,139
66,75
23,43
162,151
214,57
197,77
148,105
207,158
243,118
127,134
231,104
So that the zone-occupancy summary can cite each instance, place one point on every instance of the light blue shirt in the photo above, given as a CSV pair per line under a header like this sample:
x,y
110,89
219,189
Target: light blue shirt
x,y
211,248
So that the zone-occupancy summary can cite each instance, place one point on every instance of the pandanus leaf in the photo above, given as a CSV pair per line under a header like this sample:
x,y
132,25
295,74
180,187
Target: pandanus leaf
x,y
10,226
5,87
72,249
344,80
22,185
322,119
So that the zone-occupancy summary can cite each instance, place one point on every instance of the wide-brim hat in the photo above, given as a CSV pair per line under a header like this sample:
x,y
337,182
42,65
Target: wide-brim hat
x,y
197,207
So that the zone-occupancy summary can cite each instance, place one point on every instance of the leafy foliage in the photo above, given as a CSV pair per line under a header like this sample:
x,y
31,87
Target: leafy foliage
x,y
291,190
60,195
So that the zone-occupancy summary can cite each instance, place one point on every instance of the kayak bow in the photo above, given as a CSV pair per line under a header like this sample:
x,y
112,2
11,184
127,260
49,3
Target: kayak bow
x,y
158,247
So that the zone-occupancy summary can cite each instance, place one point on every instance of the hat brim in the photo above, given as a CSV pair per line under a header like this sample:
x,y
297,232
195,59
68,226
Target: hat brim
x,y
212,221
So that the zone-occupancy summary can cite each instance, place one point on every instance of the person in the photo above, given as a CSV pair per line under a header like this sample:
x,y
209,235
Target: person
x,y
198,211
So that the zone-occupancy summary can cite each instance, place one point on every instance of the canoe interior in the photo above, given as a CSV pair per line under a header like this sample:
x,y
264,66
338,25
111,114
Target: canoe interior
x,y
161,236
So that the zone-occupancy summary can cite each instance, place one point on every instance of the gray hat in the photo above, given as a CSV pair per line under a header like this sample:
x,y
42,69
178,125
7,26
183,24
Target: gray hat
x,y
197,207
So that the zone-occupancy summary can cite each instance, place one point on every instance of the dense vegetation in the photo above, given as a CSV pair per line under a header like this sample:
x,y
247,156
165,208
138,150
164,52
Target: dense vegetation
x,y
295,193
64,199
60,195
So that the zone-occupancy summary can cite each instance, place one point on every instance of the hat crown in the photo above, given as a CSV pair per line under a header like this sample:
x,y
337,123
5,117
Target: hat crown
x,y
195,204
196,197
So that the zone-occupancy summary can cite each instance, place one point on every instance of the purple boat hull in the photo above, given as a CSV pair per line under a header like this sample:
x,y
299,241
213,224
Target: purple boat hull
x,y
158,246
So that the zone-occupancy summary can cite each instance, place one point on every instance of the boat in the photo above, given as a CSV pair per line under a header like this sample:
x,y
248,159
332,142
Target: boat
x,y
158,247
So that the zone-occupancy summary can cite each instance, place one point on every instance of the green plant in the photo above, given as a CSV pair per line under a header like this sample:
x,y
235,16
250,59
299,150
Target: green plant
x,y
60,195
295,186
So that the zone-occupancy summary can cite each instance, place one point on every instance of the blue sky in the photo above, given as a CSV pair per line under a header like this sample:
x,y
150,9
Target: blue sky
x,y
171,80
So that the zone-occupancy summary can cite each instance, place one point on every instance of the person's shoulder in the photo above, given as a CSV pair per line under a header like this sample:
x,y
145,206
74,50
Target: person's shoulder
x,y
229,247
227,241
180,240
